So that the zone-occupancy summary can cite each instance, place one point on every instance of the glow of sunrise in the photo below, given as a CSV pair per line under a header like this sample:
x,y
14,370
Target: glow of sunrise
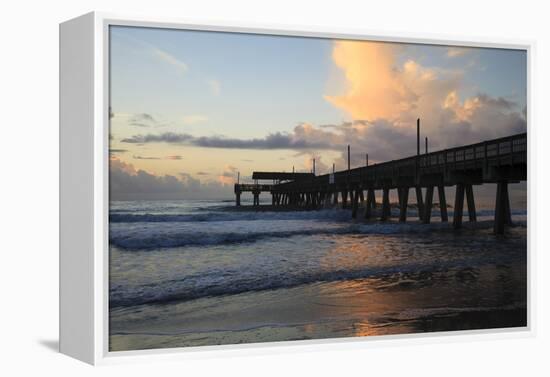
x,y
190,109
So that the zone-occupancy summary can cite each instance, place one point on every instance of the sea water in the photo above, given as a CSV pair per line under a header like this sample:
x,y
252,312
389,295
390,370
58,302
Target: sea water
x,y
200,272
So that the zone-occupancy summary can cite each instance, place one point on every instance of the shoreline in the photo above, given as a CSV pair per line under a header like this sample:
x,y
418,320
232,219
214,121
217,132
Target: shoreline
x,y
272,208
452,300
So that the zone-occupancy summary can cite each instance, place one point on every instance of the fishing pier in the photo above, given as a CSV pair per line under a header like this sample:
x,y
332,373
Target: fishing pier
x,y
500,161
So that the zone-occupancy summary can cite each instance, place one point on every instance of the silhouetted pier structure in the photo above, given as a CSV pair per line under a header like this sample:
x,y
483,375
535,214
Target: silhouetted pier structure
x,y
501,161
256,189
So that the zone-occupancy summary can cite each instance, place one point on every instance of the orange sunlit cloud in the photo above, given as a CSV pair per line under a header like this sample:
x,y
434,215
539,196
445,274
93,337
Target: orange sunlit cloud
x,y
378,87
369,68
228,176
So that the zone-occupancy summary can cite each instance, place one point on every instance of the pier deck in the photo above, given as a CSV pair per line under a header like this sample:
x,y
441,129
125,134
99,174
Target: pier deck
x,y
499,161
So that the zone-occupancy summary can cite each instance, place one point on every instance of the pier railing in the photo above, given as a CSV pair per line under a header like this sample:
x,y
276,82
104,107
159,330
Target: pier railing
x,y
503,151
500,161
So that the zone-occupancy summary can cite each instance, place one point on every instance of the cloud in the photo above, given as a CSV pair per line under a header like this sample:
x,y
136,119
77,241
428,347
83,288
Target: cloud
x,y
180,66
156,52
175,157
379,87
189,181
144,120
202,173
304,136
215,86
375,86
320,167
128,183
114,151
228,177
454,52
449,121
278,140
145,158
167,137
141,120
383,97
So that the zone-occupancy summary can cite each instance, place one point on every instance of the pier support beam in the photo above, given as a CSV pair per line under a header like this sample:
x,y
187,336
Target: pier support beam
x,y
355,203
344,199
326,199
318,199
386,210
335,198
442,203
370,203
471,203
502,208
428,204
419,202
459,206
238,199
403,203
256,201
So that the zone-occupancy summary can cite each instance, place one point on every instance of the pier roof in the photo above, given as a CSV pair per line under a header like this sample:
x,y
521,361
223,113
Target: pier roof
x,y
283,176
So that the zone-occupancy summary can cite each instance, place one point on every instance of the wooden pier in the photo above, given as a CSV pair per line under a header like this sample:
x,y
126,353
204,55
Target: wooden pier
x,y
277,178
501,161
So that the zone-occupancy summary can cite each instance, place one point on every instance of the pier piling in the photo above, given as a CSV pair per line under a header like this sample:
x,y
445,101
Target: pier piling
x,y
403,203
428,205
471,203
370,203
501,161
344,199
459,206
442,203
419,202
386,210
502,208
355,203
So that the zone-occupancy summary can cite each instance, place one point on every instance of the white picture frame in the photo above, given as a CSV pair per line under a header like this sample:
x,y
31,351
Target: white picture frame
x,y
84,157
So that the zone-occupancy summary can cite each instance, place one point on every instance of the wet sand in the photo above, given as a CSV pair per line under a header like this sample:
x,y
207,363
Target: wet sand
x,y
446,300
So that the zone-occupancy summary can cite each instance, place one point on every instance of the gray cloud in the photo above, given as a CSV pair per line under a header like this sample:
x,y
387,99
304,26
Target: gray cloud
x,y
498,102
299,139
142,120
113,151
127,183
166,137
272,141
175,157
383,139
145,158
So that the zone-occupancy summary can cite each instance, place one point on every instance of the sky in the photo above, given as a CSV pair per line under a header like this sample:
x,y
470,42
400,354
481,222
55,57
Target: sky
x,y
190,109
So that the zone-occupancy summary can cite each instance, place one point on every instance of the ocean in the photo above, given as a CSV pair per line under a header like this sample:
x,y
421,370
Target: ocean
x,y
200,272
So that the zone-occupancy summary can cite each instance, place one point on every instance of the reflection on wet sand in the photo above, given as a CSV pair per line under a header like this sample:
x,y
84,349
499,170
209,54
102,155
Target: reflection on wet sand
x,y
338,286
